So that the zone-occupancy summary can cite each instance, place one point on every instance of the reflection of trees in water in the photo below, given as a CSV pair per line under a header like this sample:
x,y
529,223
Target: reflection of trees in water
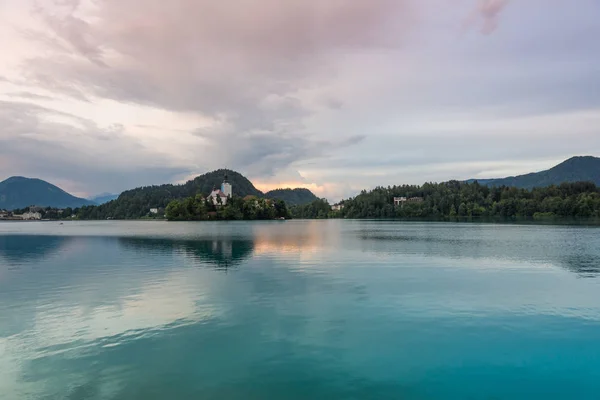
x,y
552,247
26,248
218,252
584,264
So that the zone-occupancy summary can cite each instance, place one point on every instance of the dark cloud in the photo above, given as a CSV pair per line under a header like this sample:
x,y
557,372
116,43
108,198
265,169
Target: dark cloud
x,y
40,142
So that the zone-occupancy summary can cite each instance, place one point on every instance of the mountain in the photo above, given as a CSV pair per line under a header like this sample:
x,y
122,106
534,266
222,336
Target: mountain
x,y
576,169
103,198
136,203
292,197
19,192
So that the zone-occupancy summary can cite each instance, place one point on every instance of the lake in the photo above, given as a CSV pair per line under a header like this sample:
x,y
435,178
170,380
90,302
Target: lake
x,y
299,310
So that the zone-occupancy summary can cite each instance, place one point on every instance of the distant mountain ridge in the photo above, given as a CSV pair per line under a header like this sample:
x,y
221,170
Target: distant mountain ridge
x,y
103,198
292,197
575,169
20,192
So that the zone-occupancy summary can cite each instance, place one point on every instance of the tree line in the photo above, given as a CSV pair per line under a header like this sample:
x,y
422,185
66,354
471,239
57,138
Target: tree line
x,y
234,208
460,199
446,200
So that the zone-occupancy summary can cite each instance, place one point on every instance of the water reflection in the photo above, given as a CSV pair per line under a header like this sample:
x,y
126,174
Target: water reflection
x,y
585,265
327,309
19,249
217,252
575,249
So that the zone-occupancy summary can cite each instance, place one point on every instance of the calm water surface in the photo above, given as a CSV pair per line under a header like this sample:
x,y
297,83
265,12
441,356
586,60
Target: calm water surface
x,y
299,310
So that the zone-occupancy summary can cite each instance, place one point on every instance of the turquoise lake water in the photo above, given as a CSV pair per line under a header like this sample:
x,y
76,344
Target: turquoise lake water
x,y
299,310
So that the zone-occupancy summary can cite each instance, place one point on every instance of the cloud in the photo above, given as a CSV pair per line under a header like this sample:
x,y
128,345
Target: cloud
x,y
344,94
29,96
209,57
243,69
487,14
41,142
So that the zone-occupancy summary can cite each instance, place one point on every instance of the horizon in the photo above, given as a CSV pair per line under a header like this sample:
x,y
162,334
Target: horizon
x,y
333,97
268,189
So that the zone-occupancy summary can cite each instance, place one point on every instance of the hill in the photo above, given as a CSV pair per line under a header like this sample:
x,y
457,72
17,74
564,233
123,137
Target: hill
x,y
19,192
292,197
135,203
103,198
576,169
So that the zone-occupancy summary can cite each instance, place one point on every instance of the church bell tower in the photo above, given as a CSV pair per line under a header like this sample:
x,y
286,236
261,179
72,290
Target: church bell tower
x,y
226,186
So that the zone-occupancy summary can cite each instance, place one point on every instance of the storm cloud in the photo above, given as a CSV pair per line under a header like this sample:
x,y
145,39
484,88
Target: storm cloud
x,y
106,95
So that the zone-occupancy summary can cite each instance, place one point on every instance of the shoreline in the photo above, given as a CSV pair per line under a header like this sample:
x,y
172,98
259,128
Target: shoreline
x,y
507,221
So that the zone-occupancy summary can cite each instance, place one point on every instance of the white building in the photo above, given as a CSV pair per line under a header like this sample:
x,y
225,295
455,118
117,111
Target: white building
x,y
223,194
337,207
31,215
154,211
226,187
398,201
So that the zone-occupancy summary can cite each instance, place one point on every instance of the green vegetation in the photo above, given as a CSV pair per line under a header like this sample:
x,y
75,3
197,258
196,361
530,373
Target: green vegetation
x,y
576,169
18,192
292,197
318,209
136,203
443,201
236,208
458,199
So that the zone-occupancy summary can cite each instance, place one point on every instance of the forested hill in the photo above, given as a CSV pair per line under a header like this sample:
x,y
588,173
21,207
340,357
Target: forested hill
x,y
576,169
292,197
136,203
19,192
459,199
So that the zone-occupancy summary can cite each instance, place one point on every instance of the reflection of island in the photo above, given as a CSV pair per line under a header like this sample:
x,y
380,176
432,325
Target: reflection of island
x,y
216,252
26,248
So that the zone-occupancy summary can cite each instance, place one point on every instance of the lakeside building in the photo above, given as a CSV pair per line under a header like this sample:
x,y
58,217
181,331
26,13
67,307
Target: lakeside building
x,y
399,201
337,207
31,215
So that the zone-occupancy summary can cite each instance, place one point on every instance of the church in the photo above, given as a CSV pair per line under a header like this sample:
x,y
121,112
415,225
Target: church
x,y
224,193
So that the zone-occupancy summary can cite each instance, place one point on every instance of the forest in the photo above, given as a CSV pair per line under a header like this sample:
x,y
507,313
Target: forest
x,y
136,203
236,208
459,199
441,201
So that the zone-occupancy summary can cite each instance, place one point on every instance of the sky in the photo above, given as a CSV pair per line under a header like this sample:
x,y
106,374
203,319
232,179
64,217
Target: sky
x,y
332,95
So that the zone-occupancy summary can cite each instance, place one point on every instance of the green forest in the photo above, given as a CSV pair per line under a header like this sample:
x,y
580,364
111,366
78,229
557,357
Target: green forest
x,y
136,203
236,208
459,199
440,201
